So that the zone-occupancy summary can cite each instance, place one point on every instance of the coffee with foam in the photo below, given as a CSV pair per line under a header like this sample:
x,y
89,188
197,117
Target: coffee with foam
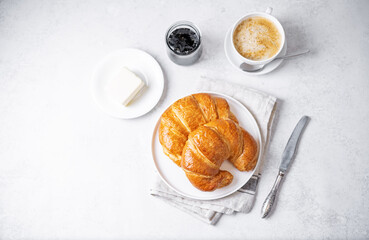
x,y
257,38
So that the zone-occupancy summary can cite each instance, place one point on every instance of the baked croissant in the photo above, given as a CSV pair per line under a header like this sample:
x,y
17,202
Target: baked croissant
x,y
199,132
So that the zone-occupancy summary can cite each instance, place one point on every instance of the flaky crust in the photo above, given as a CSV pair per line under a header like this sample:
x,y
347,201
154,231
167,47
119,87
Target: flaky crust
x,y
199,132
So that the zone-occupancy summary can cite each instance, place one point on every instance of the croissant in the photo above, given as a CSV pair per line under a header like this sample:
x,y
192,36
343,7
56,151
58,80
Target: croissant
x,y
199,132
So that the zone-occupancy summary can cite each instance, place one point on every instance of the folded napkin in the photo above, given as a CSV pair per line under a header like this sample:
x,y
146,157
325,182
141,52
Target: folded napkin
x,y
262,106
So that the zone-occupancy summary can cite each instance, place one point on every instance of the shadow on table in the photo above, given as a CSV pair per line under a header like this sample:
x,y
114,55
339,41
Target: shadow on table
x,y
297,38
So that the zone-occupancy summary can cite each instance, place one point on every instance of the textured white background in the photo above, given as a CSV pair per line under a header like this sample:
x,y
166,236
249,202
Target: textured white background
x,y
69,171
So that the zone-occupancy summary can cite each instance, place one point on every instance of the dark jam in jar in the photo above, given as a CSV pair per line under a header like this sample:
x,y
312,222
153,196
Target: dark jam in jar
x,y
183,41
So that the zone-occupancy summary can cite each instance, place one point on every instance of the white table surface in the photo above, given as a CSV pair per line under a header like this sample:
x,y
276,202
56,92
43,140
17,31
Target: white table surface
x,y
67,170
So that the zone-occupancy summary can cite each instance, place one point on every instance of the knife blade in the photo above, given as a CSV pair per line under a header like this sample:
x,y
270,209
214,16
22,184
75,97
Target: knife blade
x,y
287,157
290,149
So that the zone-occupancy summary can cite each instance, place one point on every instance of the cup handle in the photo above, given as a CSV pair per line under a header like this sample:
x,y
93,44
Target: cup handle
x,y
269,10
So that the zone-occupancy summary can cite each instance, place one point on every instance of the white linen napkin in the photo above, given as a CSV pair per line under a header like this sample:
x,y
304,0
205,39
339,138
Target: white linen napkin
x,y
262,106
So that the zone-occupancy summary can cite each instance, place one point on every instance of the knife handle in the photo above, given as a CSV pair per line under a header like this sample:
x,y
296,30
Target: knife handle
x,y
270,199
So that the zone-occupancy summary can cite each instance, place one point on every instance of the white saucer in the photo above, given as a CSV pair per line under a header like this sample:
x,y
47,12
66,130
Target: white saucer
x,y
236,62
142,64
175,177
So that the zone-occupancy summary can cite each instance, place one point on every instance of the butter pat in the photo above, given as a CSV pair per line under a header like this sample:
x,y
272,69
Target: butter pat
x,y
124,86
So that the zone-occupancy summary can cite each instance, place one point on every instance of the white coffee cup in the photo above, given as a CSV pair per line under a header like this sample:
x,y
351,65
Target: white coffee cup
x,y
267,15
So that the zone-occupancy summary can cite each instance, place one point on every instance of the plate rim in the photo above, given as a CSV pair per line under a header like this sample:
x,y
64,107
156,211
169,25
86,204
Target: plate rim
x,y
265,70
260,144
94,81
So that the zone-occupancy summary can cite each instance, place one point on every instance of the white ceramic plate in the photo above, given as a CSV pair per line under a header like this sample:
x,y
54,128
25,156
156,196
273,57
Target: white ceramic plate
x,y
175,177
143,65
236,62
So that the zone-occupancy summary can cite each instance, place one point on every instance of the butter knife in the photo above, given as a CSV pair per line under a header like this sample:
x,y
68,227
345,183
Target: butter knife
x,y
287,157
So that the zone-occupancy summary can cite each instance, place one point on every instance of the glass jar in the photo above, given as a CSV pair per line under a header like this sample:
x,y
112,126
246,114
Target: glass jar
x,y
183,43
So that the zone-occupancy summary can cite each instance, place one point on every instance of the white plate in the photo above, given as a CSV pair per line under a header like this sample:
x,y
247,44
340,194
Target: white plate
x,y
142,64
236,62
175,177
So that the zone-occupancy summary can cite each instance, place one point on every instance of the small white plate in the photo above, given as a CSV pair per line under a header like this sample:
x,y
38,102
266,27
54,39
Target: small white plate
x,y
236,62
175,177
142,64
